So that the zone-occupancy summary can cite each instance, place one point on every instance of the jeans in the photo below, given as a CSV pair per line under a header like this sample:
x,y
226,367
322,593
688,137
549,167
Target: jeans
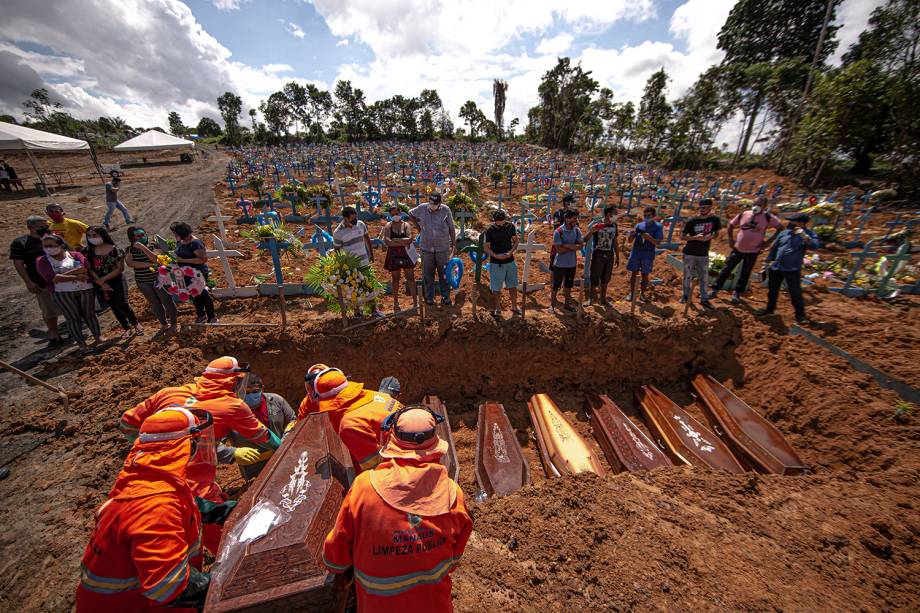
x,y
696,266
747,265
435,262
111,209
161,303
793,279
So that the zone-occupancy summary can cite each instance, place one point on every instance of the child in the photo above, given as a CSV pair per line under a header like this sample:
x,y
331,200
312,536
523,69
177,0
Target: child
x,y
646,236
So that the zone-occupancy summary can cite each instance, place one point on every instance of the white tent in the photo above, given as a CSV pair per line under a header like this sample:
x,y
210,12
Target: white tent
x,y
152,140
20,138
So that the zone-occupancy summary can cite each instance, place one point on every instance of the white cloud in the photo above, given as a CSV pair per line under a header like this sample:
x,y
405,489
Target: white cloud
x,y
294,29
556,45
853,17
227,5
276,68
342,43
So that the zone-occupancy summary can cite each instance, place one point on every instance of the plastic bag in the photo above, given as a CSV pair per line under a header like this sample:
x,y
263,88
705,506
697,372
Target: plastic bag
x,y
259,521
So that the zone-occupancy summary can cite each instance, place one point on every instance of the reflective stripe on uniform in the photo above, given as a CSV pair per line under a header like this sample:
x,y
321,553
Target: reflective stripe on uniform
x,y
106,585
370,461
163,591
391,586
334,567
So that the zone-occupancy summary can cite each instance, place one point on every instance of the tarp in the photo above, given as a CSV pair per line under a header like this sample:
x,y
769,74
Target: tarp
x,y
19,138
152,140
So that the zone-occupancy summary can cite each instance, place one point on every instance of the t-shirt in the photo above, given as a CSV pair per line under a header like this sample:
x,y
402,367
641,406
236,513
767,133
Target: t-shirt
x,y
562,236
142,275
605,237
187,252
71,230
752,229
436,227
27,249
104,264
653,229
111,194
698,226
65,265
351,239
501,240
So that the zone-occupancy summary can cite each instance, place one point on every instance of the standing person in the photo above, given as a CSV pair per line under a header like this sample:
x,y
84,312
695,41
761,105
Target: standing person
x,y
351,236
752,231
784,263
106,267
699,231
25,252
397,236
501,242
645,236
143,261
404,525
559,216
71,230
15,181
605,255
5,180
567,240
435,223
273,412
112,202
190,250
66,276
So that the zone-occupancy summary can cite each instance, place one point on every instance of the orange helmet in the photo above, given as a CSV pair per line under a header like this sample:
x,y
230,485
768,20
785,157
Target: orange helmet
x,y
176,423
226,365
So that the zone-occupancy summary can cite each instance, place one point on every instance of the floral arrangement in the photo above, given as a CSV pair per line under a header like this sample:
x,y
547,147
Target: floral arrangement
x,y
256,182
470,184
716,263
825,210
825,233
496,176
261,233
460,201
357,280
318,189
181,282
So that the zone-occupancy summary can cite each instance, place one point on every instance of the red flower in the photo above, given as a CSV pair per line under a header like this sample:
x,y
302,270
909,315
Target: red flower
x,y
183,296
193,292
172,290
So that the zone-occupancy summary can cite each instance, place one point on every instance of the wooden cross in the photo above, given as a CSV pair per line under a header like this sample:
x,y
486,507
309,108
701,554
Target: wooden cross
x,y
463,216
329,218
674,219
524,219
223,254
894,262
848,289
529,248
321,241
220,219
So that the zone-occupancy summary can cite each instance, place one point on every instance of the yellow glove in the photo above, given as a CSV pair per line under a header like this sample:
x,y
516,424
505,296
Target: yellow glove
x,y
246,455
266,455
289,427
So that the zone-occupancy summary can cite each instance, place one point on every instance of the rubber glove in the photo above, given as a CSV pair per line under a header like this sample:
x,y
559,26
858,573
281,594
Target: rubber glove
x,y
214,512
195,592
273,441
246,455
266,455
288,428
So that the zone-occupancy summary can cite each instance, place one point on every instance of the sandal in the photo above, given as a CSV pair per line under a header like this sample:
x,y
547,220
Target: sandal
x,y
126,335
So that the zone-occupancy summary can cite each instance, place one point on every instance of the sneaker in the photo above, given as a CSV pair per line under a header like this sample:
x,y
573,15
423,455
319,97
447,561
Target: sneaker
x,y
201,320
706,304
802,321
736,299
646,298
713,292
516,311
629,298
762,312
56,343
378,314
214,321
497,312
683,300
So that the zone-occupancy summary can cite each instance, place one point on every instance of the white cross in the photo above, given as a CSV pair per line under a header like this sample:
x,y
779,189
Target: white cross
x,y
220,219
529,248
231,291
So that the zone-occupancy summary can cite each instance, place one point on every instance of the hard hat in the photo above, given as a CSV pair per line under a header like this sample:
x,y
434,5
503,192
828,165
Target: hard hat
x,y
173,423
226,365
328,383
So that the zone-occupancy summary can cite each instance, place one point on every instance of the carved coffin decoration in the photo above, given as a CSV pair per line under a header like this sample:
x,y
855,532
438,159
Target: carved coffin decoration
x,y
306,479
501,467
626,446
749,435
562,449
449,459
685,439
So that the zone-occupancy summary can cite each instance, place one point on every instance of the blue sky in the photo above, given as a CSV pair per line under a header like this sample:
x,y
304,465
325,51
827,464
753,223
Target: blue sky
x,y
140,59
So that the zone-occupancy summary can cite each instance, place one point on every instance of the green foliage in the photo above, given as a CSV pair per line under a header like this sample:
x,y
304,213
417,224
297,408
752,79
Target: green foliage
x,y
230,106
460,201
357,280
470,185
496,176
176,127
565,97
208,127
825,233
319,189
258,234
903,411
453,167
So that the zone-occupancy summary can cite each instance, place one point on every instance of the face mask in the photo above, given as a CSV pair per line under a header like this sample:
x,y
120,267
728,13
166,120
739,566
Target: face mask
x,y
52,250
57,216
254,400
94,241
433,207
142,240
43,231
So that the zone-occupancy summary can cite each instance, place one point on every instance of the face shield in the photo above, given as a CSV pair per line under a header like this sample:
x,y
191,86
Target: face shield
x,y
242,382
204,447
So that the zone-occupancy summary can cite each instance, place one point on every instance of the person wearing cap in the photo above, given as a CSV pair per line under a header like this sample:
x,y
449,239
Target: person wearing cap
x,y
784,263
559,216
390,385
437,239
699,231
145,551
752,229
72,231
219,390
404,525
356,414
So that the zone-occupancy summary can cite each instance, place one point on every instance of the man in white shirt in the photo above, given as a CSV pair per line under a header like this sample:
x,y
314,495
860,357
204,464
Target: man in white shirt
x,y
351,237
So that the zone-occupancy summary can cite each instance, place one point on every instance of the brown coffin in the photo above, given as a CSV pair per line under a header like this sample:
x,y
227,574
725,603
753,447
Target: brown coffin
x,y
685,439
562,449
748,434
501,467
283,571
625,445
449,459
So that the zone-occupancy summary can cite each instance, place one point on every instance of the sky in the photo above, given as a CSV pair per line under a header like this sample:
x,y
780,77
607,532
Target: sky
x,y
141,59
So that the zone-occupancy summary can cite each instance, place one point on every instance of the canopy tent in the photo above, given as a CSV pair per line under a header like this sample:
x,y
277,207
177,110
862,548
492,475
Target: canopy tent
x,y
21,138
152,140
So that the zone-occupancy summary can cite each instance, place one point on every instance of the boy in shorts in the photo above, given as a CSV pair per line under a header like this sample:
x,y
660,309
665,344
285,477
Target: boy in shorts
x,y
645,236
500,244
606,254
567,240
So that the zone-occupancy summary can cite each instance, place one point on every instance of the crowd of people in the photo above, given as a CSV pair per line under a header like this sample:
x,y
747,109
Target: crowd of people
x,y
166,506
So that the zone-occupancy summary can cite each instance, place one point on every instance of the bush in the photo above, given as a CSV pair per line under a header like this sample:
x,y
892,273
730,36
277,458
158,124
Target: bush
x,y
461,202
826,234
319,189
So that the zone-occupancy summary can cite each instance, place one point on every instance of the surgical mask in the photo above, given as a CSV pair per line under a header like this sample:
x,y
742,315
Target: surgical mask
x,y
433,207
142,240
52,250
57,216
94,241
43,231
254,399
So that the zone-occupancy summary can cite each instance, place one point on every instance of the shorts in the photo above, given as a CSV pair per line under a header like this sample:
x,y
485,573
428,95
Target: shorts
x,y
563,276
601,267
48,308
641,262
503,275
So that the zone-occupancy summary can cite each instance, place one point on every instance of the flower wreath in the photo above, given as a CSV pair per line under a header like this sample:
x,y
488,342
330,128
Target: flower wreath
x,y
181,282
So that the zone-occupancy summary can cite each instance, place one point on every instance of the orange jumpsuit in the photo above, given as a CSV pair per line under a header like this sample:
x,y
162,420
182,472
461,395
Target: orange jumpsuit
x,y
360,429
147,535
132,419
402,561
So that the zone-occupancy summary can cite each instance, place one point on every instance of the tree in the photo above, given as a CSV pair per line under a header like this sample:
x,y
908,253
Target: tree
x,y
699,114
176,127
565,96
654,113
230,106
350,110
275,112
208,127
472,116
499,91
622,124
512,126
252,118
8,119
39,106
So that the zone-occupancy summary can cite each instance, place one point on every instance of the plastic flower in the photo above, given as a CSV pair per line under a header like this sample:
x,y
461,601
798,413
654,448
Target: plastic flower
x,y
183,296
193,292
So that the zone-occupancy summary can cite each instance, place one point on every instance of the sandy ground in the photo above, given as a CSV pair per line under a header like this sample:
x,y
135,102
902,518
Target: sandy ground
x,y
844,537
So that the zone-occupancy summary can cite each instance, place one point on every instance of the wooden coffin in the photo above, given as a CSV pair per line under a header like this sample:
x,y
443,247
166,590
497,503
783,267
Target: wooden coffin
x,y
685,439
626,446
501,467
449,459
307,478
562,449
749,434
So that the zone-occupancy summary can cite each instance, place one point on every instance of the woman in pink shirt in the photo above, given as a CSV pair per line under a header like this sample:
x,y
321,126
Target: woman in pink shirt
x,y
752,229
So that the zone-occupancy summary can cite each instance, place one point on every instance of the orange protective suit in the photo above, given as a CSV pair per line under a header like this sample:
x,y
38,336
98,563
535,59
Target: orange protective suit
x,y
147,535
402,561
132,419
360,428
